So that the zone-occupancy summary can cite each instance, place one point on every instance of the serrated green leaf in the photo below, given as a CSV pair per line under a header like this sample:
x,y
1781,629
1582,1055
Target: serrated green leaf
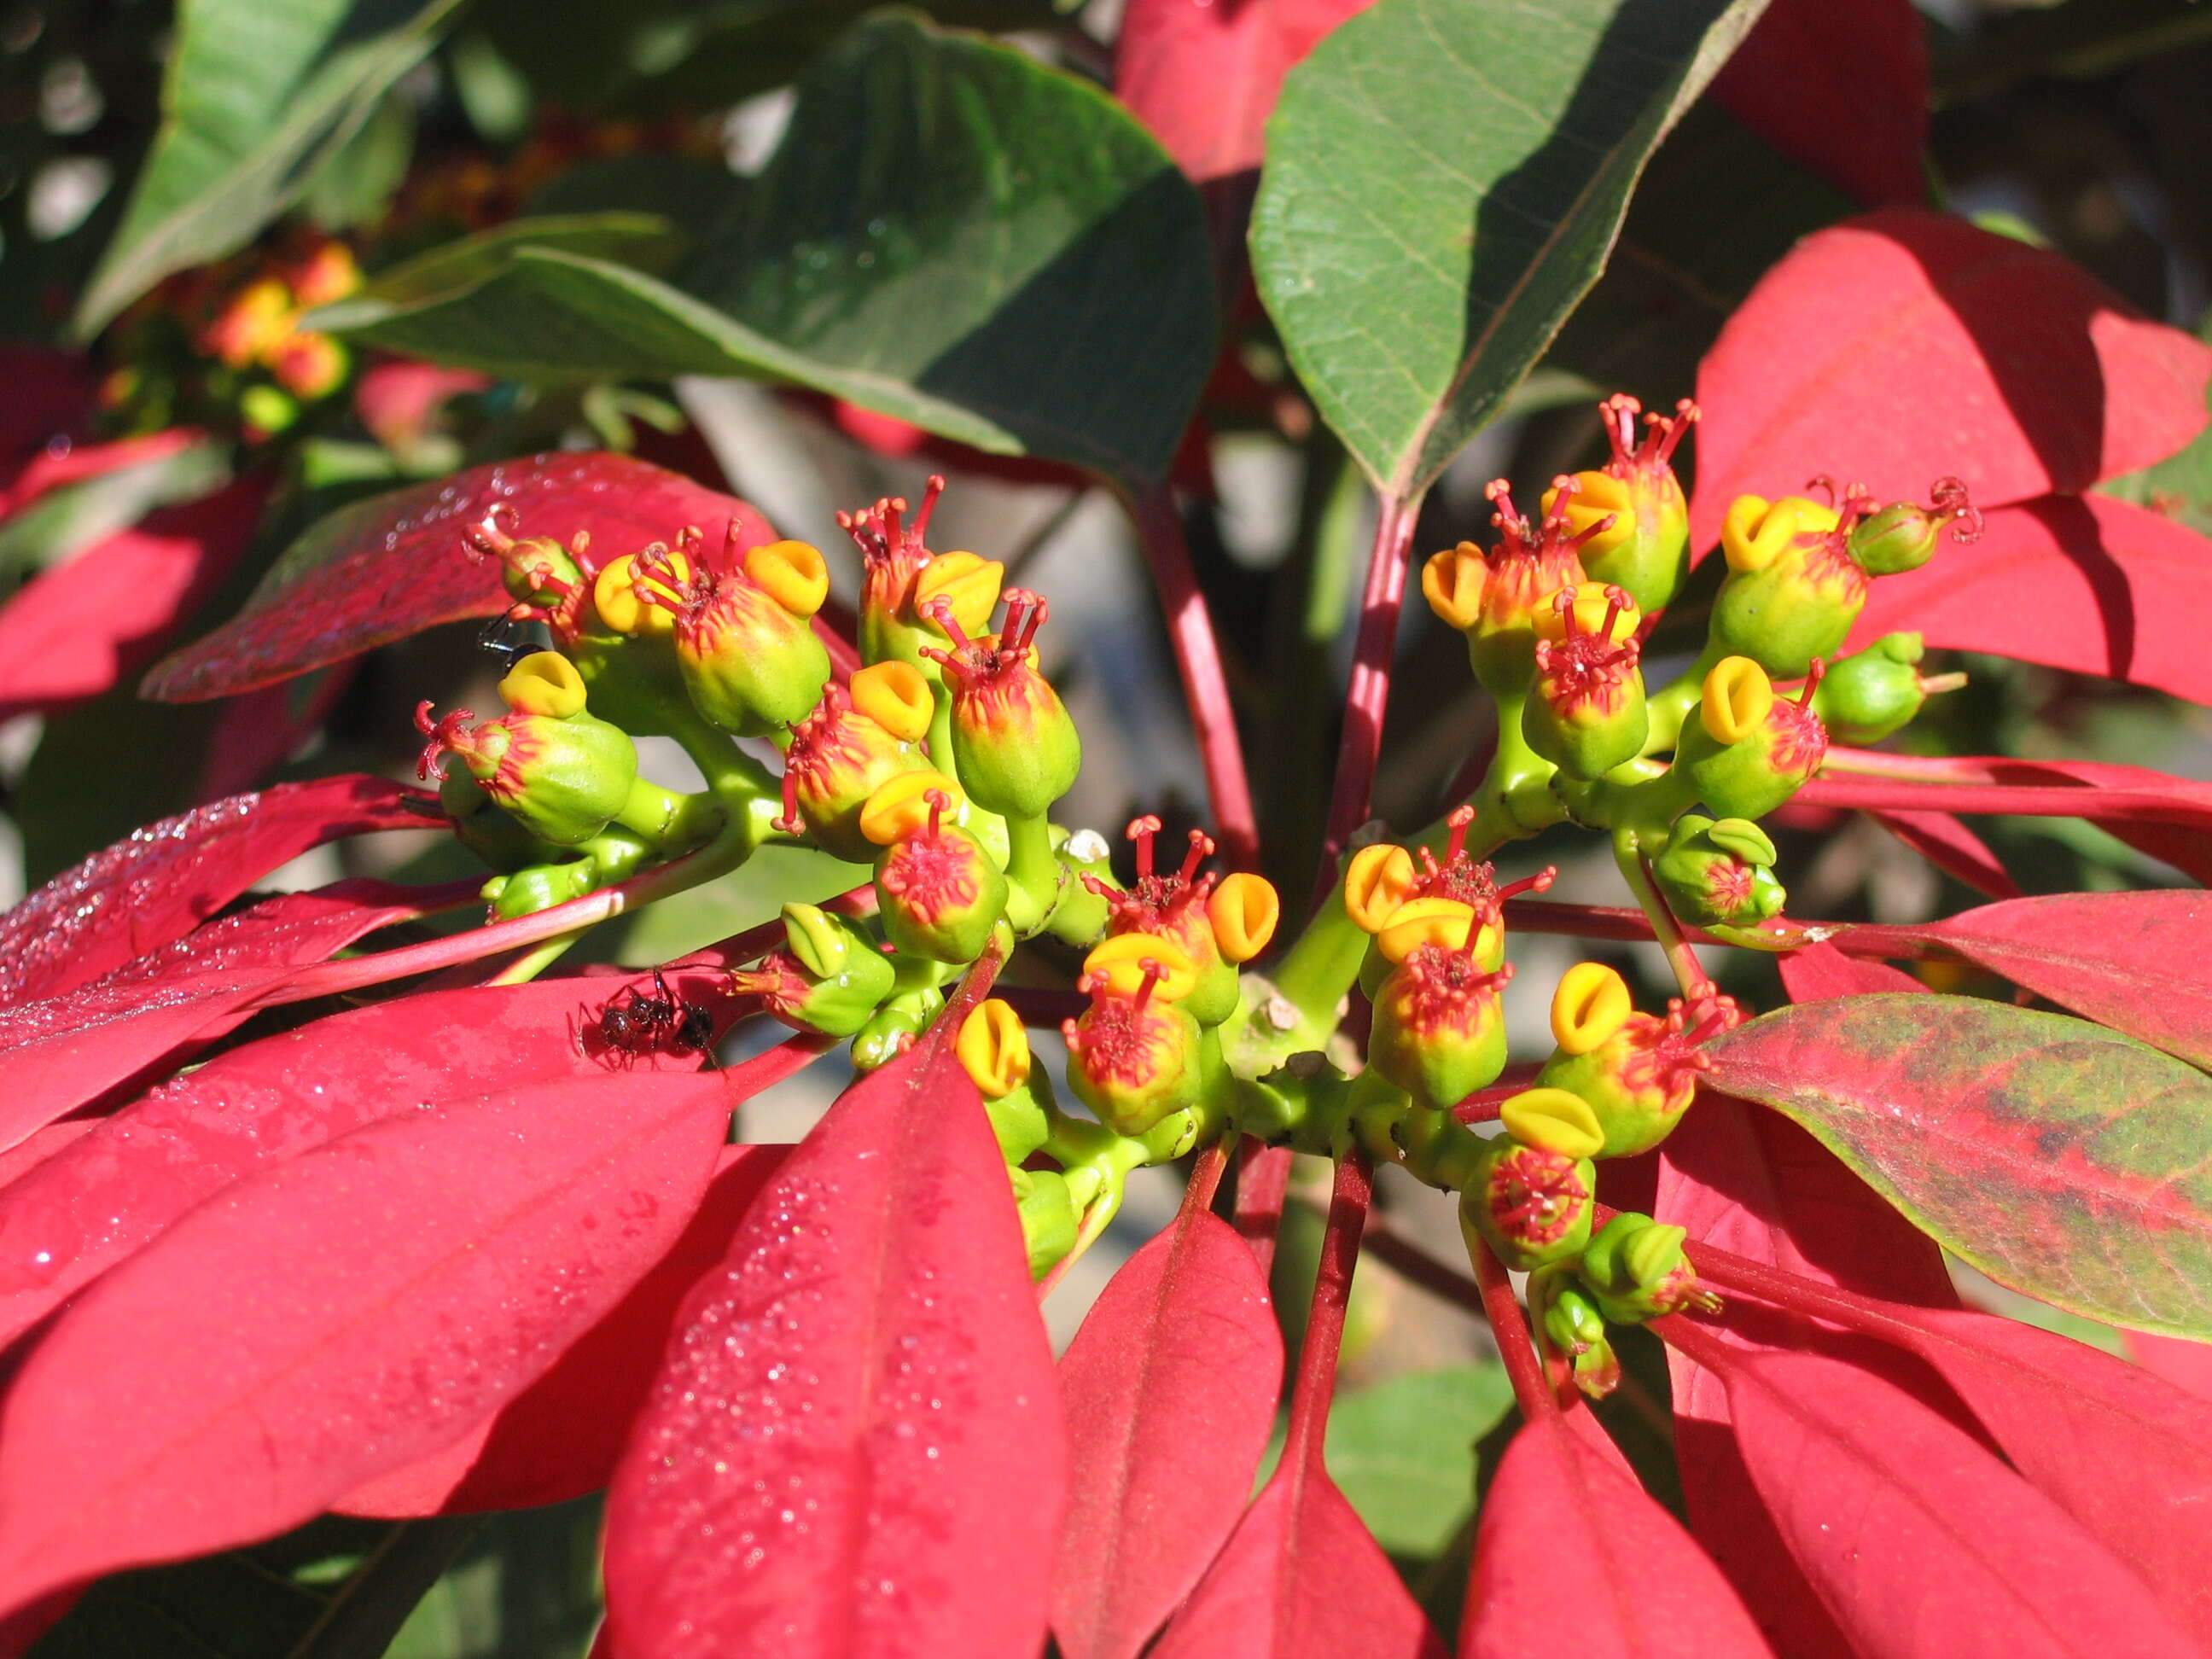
x,y
257,98
952,234
1444,180
2063,1160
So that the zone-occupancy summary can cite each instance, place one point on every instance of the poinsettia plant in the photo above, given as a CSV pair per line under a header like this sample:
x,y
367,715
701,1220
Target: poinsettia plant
x,y
1844,1262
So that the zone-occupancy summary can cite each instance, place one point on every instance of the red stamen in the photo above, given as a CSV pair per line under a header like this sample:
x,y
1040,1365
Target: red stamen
x,y
1812,673
1141,831
1201,848
1539,883
931,490
1618,413
789,822
1456,847
443,735
1153,974
1949,496
940,611
1616,601
1669,433
939,805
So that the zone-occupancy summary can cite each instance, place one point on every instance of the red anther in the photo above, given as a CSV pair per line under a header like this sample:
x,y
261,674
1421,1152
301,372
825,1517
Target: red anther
x,y
1026,612
940,611
1564,602
1153,974
1456,845
1814,671
1141,831
1616,601
1563,487
1507,518
1201,848
1539,882
932,488
939,805
1619,413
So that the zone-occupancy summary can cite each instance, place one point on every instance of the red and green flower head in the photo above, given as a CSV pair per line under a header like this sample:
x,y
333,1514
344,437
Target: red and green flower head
x,y
1174,905
992,1047
1638,1072
1439,1029
842,753
1646,547
1749,750
1718,872
939,893
1586,712
1635,1270
1135,1057
1494,598
563,773
1573,1326
1455,903
1532,1207
745,643
1013,744
545,579
829,977
1903,536
900,577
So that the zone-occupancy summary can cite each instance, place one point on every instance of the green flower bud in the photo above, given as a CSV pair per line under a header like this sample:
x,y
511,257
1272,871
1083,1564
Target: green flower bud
x,y
1903,537
939,893
1013,744
1439,1032
1175,907
1749,750
1585,712
840,755
484,829
540,887
1635,1270
1792,591
1135,1057
829,977
894,1026
543,578
745,644
1573,1326
993,1049
1718,872
1050,1220
557,770
1867,695
1530,1206
1639,1076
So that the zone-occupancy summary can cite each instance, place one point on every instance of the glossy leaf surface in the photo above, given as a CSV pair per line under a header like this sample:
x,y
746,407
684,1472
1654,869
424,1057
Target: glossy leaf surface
x,y
1300,1578
2063,1159
854,1445
2085,583
300,1358
1170,1388
561,1436
1897,348
952,234
255,99
1443,183
1565,1525
139,894
98,1202
1881,1500
1840,87
395,564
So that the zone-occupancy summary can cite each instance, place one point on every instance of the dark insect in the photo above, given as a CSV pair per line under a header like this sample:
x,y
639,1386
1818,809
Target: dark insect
x,y
507,640
635,1022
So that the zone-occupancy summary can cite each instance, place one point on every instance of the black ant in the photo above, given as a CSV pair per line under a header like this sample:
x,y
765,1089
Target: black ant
x,y
507,639
634,1022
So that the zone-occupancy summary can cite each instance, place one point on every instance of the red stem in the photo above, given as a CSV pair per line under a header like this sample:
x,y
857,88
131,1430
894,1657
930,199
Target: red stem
x,y
1369,694
1198,655
1324,1338
2074,800
1694,1343
1263,1175
1206,1176
1481,1106
1514,1345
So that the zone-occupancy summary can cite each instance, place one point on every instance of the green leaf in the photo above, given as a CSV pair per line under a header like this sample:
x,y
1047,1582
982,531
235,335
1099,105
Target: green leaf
x,y
258,98
645,241
1444,180
359,182
1403,1452
952,234
2064,1160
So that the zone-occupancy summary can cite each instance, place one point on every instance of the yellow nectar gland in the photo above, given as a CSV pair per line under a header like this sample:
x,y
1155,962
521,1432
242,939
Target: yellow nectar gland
x,y
615,596
1438,921
967,583
794,574
1119,963
1243,910
895,697
544,683
1598,496
1553,1121
1591,1003
901,805
1378,880
1452,582
993,1049
1756,530
1737,695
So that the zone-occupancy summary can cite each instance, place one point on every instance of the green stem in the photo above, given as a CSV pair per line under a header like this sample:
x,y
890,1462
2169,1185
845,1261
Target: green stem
x,y
1033,874
1668,708
673,822
1627,853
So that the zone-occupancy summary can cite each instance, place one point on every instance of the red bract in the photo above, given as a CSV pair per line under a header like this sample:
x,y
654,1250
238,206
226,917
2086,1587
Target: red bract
x,y
1819,971
1840,86
2079,582
1880,1499
98,1202
1565,1525
1888,339
854,1445
395,565
141,893
1171,1385
64,463
298,1360
1952,848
